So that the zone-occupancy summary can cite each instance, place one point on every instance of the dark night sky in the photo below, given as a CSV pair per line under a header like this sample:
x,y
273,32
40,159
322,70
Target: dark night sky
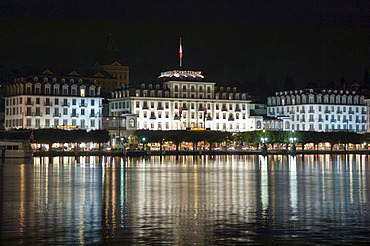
x,y
229,41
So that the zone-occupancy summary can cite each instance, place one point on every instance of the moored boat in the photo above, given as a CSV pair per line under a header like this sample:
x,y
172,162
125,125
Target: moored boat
x,y
15,148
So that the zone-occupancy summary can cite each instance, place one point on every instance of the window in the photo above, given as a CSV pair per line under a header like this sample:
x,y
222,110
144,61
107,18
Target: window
x,y
131,123
28,122
82,111
56,122
65,111
47,110
92,102
92,123
82,123
73,101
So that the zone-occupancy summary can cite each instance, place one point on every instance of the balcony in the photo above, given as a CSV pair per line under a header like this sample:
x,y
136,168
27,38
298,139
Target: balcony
x,y
209,117
38,114
48,103
327,111
302,111
145,106
160,108
65,104
56,114
321,120
231,119
351,112
333,121
177,117
302,120
74,115
29,103
339,112
238,109
224,109
83,105
311,111
93,115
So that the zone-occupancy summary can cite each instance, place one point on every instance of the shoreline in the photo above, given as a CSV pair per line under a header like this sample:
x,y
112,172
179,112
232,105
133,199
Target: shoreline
x,y
140,153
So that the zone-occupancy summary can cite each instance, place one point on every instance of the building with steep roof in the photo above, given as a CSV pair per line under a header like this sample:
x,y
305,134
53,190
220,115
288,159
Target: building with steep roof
x,y
109,70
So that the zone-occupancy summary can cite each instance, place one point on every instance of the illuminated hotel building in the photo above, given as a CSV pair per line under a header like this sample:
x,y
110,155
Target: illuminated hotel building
x,y
183,100
319,110
49,101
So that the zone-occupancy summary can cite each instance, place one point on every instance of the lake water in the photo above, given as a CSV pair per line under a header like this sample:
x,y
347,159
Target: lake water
x,y
224,200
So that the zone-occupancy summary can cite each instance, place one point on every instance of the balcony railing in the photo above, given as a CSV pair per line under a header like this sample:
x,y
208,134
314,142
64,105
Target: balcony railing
x,y
29,103
74,115
83,105
56,114
351,112
65,104
93,115
48,103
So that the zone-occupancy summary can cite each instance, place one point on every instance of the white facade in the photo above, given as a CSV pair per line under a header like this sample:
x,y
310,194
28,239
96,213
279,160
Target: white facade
x,y
51,102
182,101
324,110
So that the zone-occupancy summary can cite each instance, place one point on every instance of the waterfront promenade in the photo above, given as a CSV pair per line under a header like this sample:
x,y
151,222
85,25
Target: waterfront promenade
x,y
135,153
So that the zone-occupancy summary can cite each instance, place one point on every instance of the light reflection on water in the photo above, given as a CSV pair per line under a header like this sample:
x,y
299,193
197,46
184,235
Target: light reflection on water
x,y
318,199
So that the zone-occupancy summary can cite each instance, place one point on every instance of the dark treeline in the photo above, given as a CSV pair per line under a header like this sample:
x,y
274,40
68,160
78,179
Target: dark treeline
x,y
47,136
254,137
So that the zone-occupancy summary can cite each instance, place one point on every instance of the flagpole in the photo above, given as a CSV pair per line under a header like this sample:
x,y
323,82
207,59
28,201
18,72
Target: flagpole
x,y
180,53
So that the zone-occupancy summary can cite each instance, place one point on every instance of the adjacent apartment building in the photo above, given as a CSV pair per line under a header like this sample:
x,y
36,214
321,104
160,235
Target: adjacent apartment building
x,y
50,101
319,110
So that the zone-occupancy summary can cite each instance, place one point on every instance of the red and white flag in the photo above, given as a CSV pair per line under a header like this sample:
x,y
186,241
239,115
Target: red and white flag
x,y
180,53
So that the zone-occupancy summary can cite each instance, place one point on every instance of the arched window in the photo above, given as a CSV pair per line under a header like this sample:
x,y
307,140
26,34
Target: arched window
x,y
319,98
131,123
287,125
258,124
